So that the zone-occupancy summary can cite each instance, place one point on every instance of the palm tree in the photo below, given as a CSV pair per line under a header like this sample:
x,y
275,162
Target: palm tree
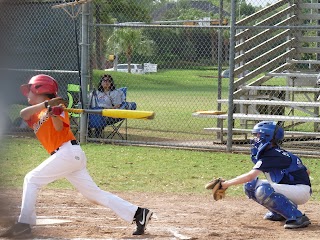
x,y
130,41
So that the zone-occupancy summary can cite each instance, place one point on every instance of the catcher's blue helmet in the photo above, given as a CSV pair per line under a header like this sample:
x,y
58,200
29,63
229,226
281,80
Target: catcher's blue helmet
x,y
268,131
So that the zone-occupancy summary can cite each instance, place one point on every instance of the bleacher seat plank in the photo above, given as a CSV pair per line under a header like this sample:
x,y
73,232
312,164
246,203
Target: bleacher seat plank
x,y
304,61
260,117
295,75
271,102
240,130
284,88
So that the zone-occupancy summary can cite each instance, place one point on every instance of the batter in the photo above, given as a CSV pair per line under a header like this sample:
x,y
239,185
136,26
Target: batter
x,y
67,160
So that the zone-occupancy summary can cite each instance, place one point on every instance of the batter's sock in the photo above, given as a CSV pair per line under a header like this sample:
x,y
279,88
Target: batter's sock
x,y
138,212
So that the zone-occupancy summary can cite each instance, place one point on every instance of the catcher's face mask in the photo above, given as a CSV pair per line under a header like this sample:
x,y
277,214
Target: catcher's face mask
x,y
257,139
255,143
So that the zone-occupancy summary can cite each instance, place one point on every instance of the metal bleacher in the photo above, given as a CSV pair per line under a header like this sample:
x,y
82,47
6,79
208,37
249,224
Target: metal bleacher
x,y
293,99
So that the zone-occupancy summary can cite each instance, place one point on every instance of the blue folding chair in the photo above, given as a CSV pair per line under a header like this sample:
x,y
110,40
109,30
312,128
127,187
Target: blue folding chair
x,y
116,126
114,123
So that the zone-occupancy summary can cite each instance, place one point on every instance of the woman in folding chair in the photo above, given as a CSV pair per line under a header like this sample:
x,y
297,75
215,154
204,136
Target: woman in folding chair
x,y
107,96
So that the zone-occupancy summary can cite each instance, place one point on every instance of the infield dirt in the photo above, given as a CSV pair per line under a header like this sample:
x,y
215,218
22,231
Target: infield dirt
x,y
176,216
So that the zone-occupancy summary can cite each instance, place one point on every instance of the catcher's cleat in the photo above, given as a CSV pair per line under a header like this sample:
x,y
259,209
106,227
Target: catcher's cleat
x,y
18,231
272,216
142,220
300,222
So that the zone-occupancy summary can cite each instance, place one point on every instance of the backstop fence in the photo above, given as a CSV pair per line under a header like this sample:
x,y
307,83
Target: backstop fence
x,y
177,59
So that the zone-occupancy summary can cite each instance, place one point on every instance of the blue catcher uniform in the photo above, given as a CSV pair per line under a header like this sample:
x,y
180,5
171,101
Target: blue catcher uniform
x,y
287,183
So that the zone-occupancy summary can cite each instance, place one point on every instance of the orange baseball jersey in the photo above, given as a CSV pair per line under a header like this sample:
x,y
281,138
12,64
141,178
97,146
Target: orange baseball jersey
x,y
51,139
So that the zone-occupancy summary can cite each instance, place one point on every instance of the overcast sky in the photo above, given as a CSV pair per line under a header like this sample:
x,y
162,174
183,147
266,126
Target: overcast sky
x,y
260,2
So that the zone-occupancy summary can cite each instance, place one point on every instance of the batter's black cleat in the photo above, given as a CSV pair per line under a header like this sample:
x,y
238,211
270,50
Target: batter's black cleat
x,y
272,216
142,219
300,222
18,231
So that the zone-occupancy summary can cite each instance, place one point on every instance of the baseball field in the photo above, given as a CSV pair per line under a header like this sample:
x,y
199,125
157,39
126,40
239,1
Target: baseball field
x,y
168,181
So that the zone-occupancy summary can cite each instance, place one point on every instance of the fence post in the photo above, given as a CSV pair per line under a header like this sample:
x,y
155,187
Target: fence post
x,y
84,67
231,77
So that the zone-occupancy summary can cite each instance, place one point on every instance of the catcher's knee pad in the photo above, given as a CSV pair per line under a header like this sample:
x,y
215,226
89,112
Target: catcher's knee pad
x,y
263,192
276,202
250,188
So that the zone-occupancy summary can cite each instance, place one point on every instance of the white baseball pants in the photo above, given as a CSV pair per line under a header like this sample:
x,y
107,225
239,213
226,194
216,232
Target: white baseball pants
x,y
298,194
69,162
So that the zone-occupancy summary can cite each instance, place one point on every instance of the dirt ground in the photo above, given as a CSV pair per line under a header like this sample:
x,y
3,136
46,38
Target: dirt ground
x,y
179,216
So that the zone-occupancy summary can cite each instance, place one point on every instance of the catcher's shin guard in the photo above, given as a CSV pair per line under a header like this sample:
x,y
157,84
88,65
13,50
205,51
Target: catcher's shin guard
x,y
277,202
250,189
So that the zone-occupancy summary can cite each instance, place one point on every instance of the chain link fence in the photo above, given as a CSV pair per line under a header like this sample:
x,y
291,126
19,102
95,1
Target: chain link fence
x,y
176,58
38,39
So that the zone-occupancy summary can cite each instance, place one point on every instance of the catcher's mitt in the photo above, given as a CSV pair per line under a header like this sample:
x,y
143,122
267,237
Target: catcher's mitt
x,y
217,191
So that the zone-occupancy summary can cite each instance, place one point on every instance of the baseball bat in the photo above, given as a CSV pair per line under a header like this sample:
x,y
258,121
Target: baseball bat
x,y
115,113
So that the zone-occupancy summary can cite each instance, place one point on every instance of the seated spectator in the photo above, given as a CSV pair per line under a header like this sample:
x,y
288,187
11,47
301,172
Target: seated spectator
x,y
107,97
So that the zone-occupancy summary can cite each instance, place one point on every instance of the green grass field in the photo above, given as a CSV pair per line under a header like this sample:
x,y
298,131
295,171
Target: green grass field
x,y
139,169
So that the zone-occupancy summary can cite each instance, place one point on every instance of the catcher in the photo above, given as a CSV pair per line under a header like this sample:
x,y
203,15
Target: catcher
x,y
287,182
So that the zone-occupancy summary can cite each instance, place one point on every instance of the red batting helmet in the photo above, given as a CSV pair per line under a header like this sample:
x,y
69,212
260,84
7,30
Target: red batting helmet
x,y
40,84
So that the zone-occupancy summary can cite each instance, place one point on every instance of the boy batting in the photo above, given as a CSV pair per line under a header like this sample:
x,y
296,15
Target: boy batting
x,y
50,123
